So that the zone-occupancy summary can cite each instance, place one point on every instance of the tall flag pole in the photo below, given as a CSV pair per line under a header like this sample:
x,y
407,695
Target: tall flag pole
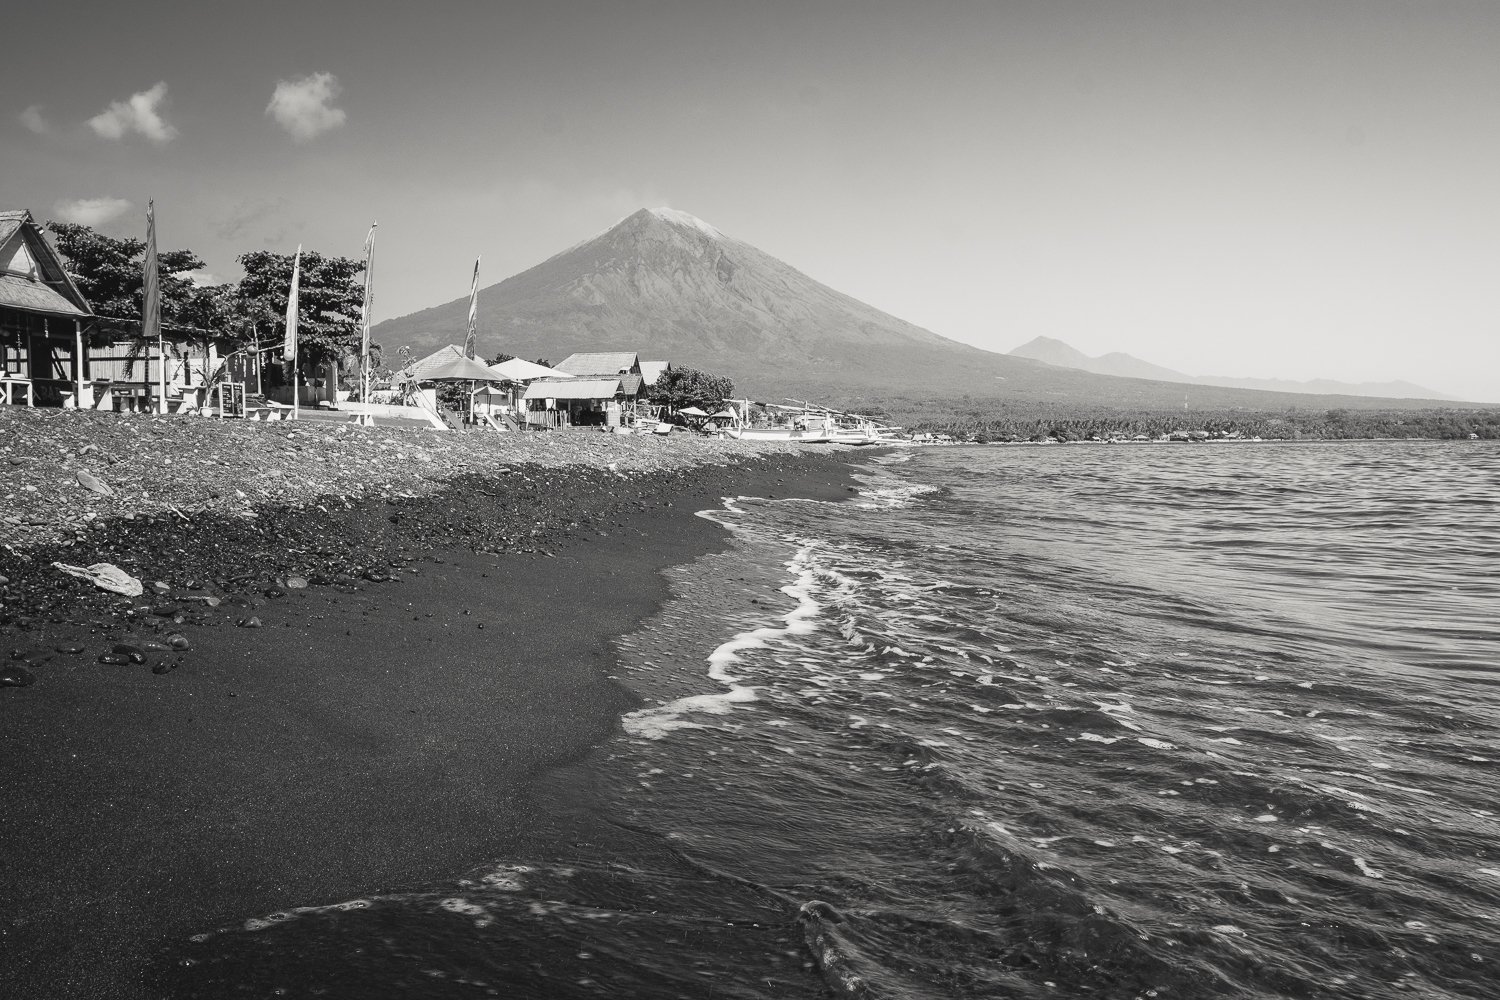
x,y
364,347
473,311
151,307
469,341
289,351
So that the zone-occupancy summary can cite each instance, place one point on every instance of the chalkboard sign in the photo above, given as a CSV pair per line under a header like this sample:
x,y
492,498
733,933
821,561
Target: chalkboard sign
x,y
231,399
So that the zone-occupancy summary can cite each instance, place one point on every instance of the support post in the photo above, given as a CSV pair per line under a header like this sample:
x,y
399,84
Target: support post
x,y
78,364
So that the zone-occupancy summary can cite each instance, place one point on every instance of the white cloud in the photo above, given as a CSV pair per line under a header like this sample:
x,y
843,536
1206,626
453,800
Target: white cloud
x,y
201,278
304,107
33,120
141,113
91,211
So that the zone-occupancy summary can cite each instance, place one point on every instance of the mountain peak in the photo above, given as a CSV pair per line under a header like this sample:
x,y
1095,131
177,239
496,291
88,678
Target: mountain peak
x,y
687,221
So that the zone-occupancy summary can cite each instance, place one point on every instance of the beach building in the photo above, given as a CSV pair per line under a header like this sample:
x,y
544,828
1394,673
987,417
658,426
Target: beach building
x,y
43,320
603,390
601,363
55,351
502,400
569,401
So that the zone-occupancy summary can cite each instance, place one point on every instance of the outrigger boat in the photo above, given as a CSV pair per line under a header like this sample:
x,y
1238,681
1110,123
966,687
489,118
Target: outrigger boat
x,y
854,428
808,423
786,423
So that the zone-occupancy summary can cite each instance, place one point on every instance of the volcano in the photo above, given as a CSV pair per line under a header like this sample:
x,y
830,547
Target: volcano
x,y
671,287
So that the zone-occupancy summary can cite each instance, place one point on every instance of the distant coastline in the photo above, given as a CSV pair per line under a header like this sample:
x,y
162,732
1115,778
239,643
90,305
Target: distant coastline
x,y
993,422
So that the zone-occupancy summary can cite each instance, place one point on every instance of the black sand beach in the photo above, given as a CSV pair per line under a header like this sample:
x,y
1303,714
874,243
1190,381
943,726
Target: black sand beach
x,y
380,729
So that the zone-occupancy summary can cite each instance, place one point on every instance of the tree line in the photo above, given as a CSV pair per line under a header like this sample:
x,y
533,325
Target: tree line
x,y
110,272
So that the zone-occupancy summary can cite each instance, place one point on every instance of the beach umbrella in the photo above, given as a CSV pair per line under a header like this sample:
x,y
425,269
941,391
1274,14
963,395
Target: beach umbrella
x,y
692,411
521,370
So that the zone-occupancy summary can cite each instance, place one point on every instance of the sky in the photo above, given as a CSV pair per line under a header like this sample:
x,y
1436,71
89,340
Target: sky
x,y
1303,189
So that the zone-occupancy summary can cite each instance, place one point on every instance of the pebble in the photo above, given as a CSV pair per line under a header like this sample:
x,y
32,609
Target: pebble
x,y
115,659
133,653
251,622
275,592
94,484
179,641
70,649
15,675
296,583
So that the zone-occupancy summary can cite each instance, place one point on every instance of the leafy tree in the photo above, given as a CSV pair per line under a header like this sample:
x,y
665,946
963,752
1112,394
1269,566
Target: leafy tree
x,y
680,387
110,273
328,300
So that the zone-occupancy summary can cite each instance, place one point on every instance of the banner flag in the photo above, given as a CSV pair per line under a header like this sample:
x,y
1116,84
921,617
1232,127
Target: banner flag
x,y
364,309
151,305
473,310
289,352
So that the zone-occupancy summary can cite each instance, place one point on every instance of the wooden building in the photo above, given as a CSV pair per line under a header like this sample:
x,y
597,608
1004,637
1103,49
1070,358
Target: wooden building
x,y
604,390
56,352
43,320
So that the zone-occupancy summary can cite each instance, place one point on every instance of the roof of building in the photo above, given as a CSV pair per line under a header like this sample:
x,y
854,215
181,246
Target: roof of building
x,y
605,363
653,370
33,277
630,385
574,388
10,221
32,296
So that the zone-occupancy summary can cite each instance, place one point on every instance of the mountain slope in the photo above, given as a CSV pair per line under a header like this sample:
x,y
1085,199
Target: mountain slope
x,y
1055,352
674,288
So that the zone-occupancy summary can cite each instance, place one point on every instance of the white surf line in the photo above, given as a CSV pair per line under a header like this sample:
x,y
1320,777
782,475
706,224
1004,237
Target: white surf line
x,y
656,723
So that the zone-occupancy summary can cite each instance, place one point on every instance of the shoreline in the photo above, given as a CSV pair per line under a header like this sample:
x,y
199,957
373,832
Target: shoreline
x,y
371,735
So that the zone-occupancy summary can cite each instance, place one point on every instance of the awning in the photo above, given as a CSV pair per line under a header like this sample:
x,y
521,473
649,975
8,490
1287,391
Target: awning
x,y
574,388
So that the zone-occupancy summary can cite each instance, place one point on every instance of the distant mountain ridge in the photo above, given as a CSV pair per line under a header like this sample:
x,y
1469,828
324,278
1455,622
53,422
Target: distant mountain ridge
x,y
1055,352
671,287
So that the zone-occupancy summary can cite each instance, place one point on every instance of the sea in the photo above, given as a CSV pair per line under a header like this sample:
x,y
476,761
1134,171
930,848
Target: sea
x,y
1165,720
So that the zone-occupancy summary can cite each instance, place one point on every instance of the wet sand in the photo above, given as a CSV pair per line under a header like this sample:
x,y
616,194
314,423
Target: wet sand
x,y
362,741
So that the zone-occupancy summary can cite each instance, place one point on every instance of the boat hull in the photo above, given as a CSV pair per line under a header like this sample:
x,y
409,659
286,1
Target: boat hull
x,y
778,434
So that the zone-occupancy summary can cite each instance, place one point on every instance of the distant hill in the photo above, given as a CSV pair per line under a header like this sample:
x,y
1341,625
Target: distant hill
x,y
1055,352
671,287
